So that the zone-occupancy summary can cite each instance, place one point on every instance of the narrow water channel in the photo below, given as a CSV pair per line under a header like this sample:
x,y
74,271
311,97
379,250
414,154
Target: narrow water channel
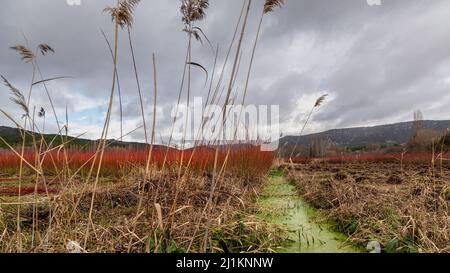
x,y
281,205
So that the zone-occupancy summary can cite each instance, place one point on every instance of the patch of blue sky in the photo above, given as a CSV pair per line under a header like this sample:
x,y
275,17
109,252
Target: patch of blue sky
x,y
90,116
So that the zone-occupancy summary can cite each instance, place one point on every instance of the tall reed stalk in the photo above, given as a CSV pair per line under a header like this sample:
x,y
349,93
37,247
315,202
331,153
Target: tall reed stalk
x,y
116,12
119,91
24,103
192,11
64,208
318,103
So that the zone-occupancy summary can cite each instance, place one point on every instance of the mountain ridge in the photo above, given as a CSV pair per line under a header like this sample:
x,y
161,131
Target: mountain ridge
x,y
389,134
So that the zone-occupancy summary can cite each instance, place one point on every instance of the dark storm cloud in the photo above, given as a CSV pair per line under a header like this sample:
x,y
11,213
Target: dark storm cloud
x,y
378,63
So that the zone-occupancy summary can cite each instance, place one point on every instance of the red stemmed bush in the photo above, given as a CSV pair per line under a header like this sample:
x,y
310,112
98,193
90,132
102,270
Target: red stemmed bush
x,y
246,160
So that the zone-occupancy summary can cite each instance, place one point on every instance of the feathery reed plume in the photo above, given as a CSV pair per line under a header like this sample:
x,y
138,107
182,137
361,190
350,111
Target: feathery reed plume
x,y
320,100
318,103
26,54
18,98
123,13
44,48
41,112
193,10
271,4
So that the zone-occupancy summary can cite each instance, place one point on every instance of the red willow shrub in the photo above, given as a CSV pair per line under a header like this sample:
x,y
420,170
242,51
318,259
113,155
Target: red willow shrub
x,y
244,160
408,157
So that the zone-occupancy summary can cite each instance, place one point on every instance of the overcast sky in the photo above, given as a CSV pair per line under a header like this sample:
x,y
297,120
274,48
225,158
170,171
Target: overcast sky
x,y
377,63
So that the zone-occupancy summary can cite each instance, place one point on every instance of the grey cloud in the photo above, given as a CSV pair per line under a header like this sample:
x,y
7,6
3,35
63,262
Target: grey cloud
x,y
379,63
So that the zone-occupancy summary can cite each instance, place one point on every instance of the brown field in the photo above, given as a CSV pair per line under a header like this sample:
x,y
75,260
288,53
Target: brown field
x,y
162,214
194,194
57,198
405,208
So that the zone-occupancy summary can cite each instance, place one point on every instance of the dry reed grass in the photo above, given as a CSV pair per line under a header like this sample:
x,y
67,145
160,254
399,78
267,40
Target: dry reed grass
x,y
406,211
118,229
162,209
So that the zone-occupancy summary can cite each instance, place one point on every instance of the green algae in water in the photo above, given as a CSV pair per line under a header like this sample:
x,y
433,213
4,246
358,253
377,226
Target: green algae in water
x,y
282,206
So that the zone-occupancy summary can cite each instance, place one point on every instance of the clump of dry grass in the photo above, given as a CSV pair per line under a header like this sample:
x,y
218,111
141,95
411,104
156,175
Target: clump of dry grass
x,y
61,218
407,217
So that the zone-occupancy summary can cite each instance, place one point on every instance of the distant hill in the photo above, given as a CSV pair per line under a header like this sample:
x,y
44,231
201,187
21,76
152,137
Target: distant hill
x,y
392,134
389,135
13,138
7,131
